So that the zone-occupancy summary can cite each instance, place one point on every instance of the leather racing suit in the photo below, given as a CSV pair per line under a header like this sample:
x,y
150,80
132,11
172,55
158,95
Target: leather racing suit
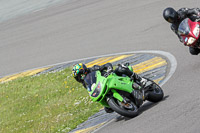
x,y
191,13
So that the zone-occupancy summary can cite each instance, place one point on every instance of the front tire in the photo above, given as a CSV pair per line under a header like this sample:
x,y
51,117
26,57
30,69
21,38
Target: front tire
x,y
129,111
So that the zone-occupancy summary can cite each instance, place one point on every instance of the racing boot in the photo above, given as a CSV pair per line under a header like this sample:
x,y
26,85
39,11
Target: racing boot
x,y
138,79
142,85
123,69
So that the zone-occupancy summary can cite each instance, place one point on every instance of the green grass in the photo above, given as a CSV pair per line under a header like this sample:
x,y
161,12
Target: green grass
x,y
52,102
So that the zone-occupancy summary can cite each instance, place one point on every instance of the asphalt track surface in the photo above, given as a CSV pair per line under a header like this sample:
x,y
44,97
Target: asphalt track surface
x,y
85,28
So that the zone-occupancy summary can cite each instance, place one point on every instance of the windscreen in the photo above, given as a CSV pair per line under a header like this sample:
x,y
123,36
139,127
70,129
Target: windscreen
x,y
90,79
184,28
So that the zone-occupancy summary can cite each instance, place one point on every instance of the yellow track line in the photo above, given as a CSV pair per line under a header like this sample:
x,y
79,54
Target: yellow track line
x,y
159,79
27,73
139,68
90,129
149,65
116,59
99,61
95,61
105,60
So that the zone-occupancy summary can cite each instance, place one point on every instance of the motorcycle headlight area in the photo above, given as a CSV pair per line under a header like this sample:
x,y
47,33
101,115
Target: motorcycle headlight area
x,y
196,30
97,90
191,40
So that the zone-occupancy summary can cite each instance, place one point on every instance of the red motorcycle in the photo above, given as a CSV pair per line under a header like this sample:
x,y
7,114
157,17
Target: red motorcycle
x,y
190,32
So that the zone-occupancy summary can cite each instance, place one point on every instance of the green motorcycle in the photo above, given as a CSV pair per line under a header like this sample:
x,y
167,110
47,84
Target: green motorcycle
x,y
114,92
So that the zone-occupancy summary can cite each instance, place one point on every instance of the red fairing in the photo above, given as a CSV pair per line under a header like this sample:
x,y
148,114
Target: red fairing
x,y
190,32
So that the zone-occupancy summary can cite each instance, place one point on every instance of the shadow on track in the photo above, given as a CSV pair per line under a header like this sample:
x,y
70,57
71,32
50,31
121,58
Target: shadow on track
x,y
143,108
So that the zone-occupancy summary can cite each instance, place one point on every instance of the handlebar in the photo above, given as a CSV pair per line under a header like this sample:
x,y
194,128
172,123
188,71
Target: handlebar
x,y
108,73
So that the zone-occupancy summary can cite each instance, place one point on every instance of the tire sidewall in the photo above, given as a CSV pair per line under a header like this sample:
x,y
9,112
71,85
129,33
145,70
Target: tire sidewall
x,y
112,103
154,96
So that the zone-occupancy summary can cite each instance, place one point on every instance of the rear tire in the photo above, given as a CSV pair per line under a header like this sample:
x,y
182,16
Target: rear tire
x,y
115,105
155,94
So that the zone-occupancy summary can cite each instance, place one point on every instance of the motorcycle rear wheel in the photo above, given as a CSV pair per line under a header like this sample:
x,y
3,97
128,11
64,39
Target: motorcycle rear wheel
x,y
155,94
125,109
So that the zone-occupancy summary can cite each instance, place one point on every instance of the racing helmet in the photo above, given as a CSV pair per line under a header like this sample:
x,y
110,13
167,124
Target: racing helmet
x,y
170,15
79,71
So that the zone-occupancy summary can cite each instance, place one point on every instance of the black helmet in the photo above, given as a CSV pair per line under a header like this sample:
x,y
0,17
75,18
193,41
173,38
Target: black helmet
x,y
170,15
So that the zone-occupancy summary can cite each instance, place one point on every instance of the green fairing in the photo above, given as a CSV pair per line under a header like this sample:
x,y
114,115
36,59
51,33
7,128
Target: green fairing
x,y
100,87
131,68
120,83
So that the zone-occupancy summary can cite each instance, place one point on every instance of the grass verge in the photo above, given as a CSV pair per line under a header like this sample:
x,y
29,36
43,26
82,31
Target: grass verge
x,y
52,102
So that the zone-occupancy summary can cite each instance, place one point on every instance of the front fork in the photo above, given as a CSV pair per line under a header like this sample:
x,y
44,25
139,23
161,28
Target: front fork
x,y
117,96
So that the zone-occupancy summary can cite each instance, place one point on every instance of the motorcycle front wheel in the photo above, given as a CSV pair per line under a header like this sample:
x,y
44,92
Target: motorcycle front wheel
x,y
128,109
